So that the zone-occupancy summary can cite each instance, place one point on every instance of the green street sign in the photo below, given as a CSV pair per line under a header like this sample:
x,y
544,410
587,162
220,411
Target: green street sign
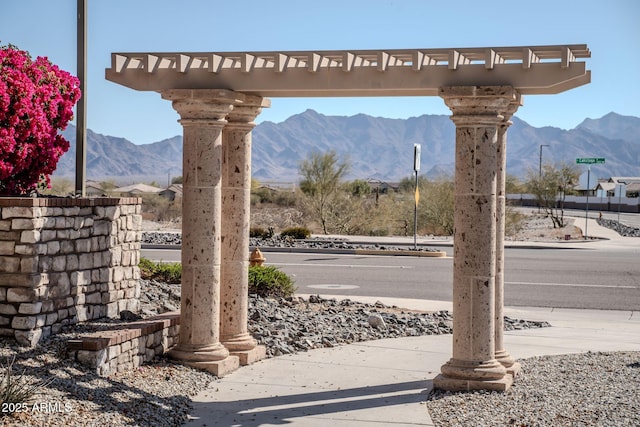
x,y
590,160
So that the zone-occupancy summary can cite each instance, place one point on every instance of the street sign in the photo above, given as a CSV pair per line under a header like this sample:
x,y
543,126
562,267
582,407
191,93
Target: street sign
x,y
416,157
590,160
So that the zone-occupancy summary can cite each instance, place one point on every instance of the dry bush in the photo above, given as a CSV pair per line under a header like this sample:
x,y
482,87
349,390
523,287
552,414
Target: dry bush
x,y
514,221
159,208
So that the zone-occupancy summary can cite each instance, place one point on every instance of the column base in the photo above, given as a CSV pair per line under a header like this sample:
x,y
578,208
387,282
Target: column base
x,y
219,368
242,342
247,357
508,362
456,384
514,369
464,375
215,358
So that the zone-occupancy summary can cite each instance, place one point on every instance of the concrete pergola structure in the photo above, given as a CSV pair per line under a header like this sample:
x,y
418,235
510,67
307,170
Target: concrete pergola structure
x,y
218,95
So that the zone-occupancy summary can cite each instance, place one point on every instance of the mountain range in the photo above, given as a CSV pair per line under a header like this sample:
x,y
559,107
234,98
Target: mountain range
x,y
375,147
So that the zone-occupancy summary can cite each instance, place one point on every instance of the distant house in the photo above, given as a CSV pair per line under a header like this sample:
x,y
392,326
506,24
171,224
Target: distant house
x,y
94,189
619,186
136,190
382,187
173,192
633,190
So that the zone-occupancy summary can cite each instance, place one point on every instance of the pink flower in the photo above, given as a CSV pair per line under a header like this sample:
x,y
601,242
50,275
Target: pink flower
x,y
36,102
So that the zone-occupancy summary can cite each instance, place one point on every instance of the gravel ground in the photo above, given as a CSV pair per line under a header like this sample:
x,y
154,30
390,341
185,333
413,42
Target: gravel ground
x,y
587,389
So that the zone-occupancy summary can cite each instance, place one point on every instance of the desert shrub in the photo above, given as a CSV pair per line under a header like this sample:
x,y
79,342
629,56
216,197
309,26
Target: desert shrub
x,y
261,195
158,208
269,281
60,187
265,281
296,232
163,272
285,198
261,233
255,200
514,221
257,232
264,195
17,389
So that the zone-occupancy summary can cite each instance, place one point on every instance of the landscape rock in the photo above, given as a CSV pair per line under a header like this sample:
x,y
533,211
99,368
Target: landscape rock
x,y
621,229
290,325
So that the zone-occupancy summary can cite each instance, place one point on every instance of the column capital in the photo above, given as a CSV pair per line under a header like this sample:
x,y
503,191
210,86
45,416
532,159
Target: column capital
x,y
243,115
202,105
511,110
478,105
249,107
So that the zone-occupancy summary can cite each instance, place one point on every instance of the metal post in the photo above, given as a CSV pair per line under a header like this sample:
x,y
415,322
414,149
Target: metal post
x,y
540,171
81,106
416,168
619,202
586,215
415,215
620,198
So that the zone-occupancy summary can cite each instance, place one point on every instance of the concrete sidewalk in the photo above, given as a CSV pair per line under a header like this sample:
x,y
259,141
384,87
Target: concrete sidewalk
x,y
386,382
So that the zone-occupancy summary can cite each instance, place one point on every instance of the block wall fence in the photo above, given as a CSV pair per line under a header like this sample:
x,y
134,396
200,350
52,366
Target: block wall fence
x,y
66,260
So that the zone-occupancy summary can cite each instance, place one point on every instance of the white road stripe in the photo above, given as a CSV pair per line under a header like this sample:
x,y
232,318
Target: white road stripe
x,y
340,265
575,285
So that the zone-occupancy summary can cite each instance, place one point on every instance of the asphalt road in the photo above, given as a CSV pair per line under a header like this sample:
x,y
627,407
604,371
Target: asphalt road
x,y
570,278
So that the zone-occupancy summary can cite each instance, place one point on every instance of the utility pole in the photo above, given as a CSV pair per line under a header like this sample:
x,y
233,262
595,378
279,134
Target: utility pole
x,y
81,106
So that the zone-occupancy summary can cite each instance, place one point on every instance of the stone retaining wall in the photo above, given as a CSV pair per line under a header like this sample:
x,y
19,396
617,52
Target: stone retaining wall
x,y
126,348
65,260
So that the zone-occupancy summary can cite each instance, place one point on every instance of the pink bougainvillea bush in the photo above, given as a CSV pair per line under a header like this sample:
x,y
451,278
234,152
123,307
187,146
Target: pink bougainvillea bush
x,y
36,102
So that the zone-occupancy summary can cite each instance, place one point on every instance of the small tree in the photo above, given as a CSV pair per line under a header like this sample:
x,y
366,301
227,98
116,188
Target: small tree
x,y
438,205
358,188
321,178
36,101
513,185
551,188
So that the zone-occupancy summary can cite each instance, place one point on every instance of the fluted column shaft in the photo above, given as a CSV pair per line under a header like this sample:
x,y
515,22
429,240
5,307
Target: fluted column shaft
x,y
477,115
236,197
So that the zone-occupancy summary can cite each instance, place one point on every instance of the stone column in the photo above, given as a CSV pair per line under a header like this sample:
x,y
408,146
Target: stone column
x,y
236,197
203,114
501,354
477,115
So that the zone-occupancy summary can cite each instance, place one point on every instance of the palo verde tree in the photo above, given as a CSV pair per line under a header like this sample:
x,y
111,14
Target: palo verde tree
x,y
551,187
322,174
36,102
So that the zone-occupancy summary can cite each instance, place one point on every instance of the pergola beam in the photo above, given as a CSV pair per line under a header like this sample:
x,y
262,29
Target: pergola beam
x,y
400,72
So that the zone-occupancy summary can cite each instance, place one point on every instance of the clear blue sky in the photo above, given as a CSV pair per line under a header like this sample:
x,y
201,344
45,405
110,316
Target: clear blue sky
x,y
610,28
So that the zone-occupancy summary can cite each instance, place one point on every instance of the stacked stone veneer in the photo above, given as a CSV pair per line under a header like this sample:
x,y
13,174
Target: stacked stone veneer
x,y
126,348
64,261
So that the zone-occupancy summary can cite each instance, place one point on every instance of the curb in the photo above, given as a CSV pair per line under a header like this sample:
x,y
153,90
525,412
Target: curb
x,y
381,252
432,254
